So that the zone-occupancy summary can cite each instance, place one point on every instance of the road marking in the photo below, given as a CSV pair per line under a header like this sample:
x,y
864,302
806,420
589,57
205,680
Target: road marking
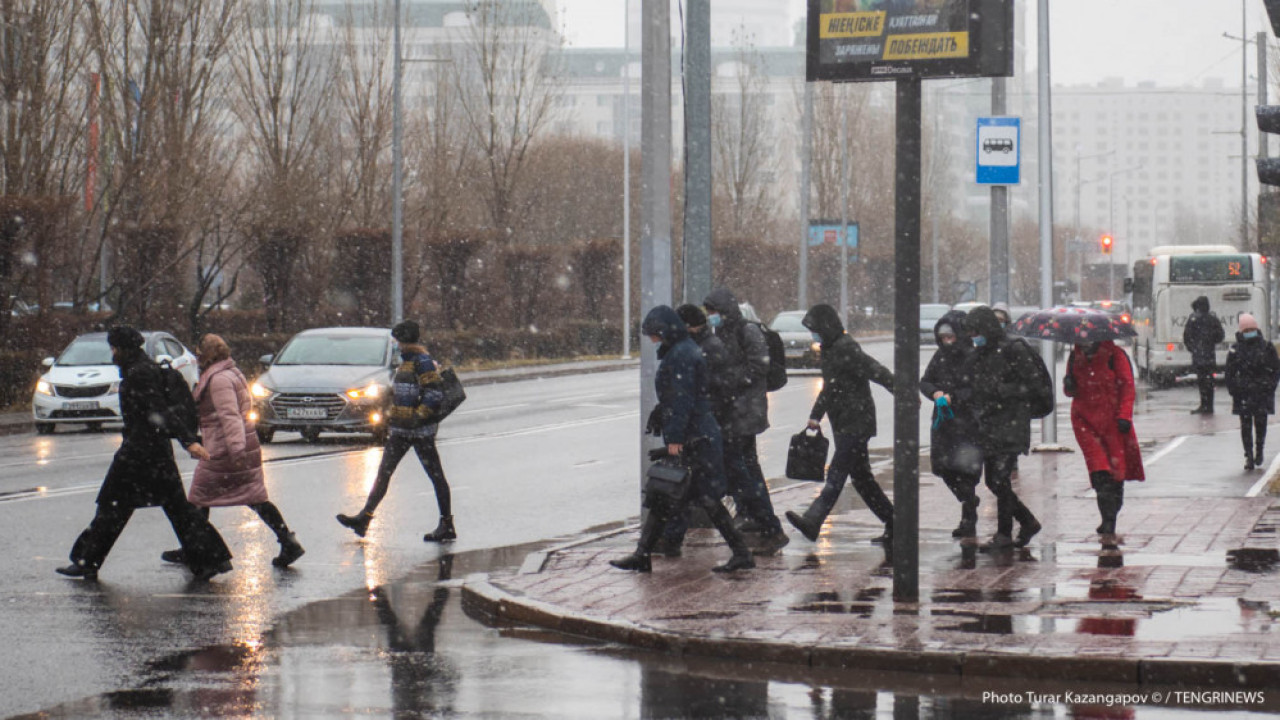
x,y
1261,485
1159,455
490,409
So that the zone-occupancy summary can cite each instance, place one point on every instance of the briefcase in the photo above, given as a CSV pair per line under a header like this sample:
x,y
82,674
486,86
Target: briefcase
x,y
807,457
667,481
451,386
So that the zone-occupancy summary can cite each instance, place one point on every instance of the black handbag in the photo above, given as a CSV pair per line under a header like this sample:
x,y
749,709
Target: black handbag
x,y
667,481
451,386
807,457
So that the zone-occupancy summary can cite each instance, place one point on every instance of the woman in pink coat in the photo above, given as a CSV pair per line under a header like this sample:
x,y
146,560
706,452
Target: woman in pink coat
x,y
233,473
1099,381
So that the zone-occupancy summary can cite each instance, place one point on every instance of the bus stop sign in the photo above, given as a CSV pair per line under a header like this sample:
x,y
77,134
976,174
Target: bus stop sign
x,y
999,151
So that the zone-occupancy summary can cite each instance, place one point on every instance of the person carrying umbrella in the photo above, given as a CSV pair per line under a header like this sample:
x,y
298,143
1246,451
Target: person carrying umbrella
x,y
1252,371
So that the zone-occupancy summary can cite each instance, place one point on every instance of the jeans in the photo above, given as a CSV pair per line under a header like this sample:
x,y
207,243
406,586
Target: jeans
x,y
396,448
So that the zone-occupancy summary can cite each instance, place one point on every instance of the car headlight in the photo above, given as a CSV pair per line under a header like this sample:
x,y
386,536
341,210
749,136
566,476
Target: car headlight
x,y
370,391
44,388
816,347
114,389
260,391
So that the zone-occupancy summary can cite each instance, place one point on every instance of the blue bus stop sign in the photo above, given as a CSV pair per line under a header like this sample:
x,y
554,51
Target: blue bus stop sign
x,y
999,151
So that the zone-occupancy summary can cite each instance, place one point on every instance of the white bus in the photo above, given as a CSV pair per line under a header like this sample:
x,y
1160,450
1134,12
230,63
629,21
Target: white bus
x,y
1165,284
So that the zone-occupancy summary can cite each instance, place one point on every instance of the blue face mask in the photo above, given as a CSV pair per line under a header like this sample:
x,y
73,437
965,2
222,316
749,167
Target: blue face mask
x,y
1250,334
979,340
715,320
816,337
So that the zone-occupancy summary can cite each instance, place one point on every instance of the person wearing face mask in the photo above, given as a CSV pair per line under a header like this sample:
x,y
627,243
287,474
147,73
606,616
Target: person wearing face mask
x,y
847,373
1201,336
1002,314
1099,381
1252,371
954,455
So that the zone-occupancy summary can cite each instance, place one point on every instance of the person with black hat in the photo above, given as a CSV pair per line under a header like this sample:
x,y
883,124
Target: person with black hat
x,y
143,472
416,395
1201,336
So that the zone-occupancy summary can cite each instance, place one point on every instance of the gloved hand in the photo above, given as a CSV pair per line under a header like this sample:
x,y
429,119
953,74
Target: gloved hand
x,y
1124,425
653,426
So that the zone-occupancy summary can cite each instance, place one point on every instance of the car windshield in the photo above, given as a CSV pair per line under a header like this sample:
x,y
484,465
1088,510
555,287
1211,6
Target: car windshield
x,y
86,351
788,323
333,350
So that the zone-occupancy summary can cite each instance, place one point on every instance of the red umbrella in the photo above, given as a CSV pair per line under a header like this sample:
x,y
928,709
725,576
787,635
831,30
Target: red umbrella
x,y
1068,324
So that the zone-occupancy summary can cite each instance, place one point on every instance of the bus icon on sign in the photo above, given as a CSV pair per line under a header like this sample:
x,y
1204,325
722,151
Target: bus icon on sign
x,y
1003,145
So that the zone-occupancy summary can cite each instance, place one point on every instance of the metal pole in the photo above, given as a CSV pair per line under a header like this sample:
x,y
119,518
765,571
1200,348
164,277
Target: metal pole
x,y
397,180
806,164
1049,424
626,183
999,215
906,353
1244,126
844,209
1111,230
934,205
697,150
1261,40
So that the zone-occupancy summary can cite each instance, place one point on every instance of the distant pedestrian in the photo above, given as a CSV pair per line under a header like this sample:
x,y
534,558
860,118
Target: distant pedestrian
x,y
1252,371
143,472
1201,336
999,383
416,394
1002,314
689,430
233,473
953,447
1099,381
746,415
845,398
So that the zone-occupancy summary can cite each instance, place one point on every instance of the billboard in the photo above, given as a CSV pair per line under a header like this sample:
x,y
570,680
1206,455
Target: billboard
x,y
827,232
870,40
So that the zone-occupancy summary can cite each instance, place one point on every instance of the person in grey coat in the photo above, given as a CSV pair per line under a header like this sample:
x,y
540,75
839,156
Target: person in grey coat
x,y
1201,336
747,415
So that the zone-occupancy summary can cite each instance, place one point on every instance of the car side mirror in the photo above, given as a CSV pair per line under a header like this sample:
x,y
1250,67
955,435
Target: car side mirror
x,y
47,362
266,359
1128,285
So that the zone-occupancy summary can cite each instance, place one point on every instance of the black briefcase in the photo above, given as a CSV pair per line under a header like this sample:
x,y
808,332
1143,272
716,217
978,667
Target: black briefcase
x,y
807,458
667,481
451,386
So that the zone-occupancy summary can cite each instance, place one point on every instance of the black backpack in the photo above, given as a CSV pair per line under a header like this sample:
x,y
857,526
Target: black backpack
x,y
179,400
1042,399
777,375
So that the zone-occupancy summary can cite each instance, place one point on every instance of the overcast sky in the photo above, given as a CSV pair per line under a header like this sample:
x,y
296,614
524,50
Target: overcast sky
x,y
1169,41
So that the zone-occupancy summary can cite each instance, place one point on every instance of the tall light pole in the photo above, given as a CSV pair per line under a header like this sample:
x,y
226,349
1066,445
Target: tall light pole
x,y
626,181
397,181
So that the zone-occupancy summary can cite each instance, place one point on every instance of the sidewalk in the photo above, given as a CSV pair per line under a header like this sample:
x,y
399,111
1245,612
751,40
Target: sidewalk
x,y
1190,594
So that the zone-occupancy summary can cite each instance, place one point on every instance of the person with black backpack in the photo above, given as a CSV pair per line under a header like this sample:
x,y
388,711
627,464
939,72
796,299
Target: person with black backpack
x,y
745,416
143,472
1001,382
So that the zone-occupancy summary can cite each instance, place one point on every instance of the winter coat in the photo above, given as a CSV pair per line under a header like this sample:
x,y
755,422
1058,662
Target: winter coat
x,y
1252,371
143,472
747,372
997,386
416,394
1202,333
953,440
846,376
233,473
1101,393
720,378
684,401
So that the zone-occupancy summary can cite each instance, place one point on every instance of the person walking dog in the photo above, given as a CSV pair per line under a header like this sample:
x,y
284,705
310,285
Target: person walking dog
x,y
1252,371
416,396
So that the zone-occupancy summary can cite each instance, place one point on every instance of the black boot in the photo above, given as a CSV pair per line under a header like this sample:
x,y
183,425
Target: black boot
x,y
290,550
1108,500
1028,525
806,525
77,570
650,532
885,538
177,557
443,532
741,559
359,524
968,526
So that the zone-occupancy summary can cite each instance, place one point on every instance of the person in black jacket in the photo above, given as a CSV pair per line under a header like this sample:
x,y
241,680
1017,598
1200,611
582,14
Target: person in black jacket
x,y
846,399
953,450
144,474
1201,336
746,415
997,385
689,430
1252,371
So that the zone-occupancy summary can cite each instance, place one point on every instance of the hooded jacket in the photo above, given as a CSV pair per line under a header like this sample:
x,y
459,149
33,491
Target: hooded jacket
x,y
847,373
1252,371
719,376
953,441
1202,333
747,370
1101,393
997,386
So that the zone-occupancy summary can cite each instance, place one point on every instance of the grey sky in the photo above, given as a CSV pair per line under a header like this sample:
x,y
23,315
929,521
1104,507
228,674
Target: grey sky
x,y
1169,41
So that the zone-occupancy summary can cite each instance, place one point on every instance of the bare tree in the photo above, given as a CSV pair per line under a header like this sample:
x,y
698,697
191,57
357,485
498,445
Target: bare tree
x,y
363,93
743,144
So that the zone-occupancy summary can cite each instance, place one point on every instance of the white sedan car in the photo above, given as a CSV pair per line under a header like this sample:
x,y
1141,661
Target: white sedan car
x,y
82,385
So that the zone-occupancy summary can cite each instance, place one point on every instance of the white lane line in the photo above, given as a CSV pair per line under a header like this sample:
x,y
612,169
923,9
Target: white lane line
x,y
1261,485
1173,444
491,409
51,458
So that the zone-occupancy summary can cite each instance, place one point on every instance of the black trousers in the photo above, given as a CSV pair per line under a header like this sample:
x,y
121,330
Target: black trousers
x,y
1251,427
270,515
1204,381
999,478
201,543
746,481
396,448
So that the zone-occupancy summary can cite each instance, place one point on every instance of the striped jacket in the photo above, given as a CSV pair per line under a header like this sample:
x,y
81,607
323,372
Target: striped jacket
x,y
415,394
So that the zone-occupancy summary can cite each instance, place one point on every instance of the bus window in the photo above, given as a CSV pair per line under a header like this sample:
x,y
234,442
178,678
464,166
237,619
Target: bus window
x,y
1210,268
1142,275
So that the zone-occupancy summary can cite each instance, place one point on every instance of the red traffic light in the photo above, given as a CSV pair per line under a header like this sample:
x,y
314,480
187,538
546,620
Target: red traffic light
x,y
1107,242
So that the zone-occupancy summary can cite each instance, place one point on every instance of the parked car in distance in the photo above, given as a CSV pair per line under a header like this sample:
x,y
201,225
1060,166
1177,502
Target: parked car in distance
x,y
82,385
930,314
327,380
802,351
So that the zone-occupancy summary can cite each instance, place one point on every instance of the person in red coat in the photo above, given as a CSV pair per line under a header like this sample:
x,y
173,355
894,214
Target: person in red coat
x,y
1099,381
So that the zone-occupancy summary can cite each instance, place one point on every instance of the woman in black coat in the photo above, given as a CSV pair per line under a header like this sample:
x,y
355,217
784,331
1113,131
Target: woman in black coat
x,y
953,447
689,431
1252,371
143,472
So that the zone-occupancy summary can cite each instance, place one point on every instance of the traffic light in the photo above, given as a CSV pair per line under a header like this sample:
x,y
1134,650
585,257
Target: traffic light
x,y
1107,242
1268,122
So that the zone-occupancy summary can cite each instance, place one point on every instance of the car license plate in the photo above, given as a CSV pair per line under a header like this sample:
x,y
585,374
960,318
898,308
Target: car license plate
x,y
82,405
307,413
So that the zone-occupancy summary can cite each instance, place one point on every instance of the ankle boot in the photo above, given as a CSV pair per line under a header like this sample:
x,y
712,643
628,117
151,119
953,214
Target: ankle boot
x,y
805,525
443,532
359,524
290,550
741,559
650,534
634,561
177,557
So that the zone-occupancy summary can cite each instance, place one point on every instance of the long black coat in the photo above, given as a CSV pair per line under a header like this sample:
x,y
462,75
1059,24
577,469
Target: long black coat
x,y
998,386
1252,371
847,373
143,472
746,374
1202,333
953,441
683,386
721,377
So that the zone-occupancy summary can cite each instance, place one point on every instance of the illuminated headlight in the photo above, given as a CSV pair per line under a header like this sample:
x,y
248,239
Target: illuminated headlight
x,y
260,391
371,391
816,347
44,388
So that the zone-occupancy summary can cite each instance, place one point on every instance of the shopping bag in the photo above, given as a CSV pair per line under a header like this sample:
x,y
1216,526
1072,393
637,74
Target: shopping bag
x,y
807,458
451,387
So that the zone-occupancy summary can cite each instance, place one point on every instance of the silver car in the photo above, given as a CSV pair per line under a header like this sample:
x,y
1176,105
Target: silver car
x,y
802,351
327,380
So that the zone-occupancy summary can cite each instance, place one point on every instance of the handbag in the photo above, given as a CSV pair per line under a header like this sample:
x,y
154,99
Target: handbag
x,y
451,387
807,457
667,481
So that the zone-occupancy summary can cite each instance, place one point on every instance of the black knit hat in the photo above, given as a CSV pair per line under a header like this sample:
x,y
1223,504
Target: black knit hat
x,y
692,315
124,337
405,332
